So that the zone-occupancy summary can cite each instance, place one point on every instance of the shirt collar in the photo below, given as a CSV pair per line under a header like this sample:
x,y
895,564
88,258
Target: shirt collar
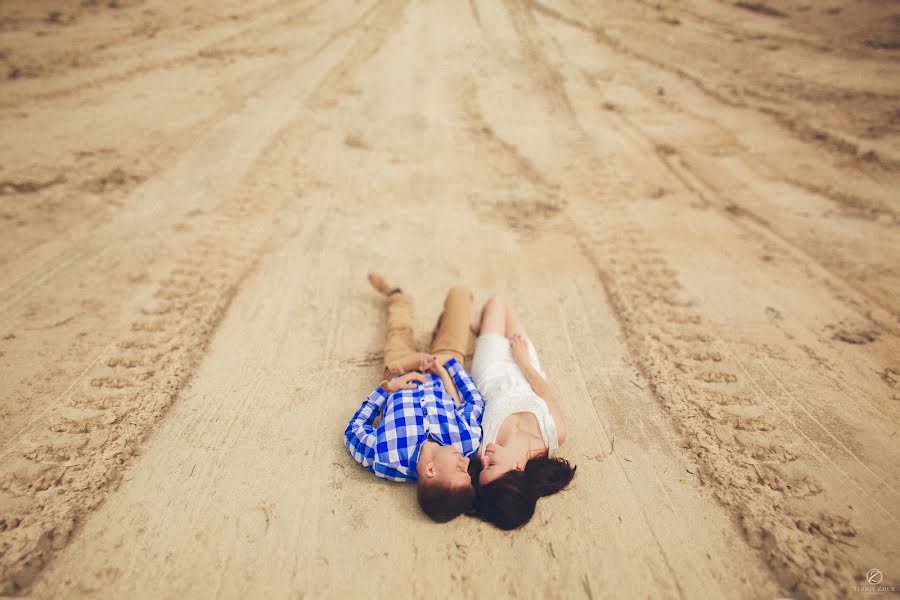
x,y
414,460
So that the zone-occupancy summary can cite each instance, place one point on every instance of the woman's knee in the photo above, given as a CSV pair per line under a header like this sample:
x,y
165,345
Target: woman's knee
x,y
493,316
494,303
514,324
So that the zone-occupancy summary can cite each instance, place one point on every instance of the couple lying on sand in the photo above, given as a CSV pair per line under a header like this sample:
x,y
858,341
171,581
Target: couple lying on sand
x,y
478,444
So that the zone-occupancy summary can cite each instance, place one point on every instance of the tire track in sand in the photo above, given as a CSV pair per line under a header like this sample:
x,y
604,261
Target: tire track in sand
x,y
378,23
744,454
548,79
54,476
724,416
144,67
70,459
858,297
801,129
94,241
91,256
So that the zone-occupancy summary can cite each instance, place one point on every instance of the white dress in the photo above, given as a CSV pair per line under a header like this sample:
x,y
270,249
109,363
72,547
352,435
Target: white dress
x,y
506,390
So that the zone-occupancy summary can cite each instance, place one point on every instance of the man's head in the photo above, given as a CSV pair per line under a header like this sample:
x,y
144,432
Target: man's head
x,y
444,487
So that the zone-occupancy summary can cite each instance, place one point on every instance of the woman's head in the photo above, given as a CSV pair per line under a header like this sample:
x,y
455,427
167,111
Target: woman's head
x,y
509,501
496,462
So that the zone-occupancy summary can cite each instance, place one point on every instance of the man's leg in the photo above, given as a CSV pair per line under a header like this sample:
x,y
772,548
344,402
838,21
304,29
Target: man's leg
x,y
400,354
451,338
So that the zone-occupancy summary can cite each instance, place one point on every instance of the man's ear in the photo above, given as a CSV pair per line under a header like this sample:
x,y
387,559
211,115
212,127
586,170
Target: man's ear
x,y
429,470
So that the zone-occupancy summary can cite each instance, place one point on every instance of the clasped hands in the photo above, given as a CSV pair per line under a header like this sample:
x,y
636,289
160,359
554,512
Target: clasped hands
x,y
411,380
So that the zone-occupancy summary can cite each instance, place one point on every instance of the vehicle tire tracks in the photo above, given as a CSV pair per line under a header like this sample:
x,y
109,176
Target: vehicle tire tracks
x,y
795,125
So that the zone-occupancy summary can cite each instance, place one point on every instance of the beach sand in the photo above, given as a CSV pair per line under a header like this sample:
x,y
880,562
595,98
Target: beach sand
x,y
693,204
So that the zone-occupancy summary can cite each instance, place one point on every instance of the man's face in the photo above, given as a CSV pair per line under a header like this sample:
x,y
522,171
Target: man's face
x,y
451,467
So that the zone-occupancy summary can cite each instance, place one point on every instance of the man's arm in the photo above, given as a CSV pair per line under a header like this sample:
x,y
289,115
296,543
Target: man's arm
x,y
360,436
447,381
473,401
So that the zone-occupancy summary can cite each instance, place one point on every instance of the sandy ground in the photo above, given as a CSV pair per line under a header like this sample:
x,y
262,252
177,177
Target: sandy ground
x,y
693,203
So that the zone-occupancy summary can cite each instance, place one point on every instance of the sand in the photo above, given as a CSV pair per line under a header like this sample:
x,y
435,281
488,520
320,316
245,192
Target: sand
x,y
693,204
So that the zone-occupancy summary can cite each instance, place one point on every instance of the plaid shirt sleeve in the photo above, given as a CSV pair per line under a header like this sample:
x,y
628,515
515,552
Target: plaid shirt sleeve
x,y
360,435
473,402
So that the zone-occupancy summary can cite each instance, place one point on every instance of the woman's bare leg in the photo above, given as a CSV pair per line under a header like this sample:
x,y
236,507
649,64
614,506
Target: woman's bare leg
x,y
498,316
513,323
493,317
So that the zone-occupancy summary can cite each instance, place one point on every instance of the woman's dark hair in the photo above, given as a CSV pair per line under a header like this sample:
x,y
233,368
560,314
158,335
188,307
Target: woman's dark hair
x,y
508,502
548,475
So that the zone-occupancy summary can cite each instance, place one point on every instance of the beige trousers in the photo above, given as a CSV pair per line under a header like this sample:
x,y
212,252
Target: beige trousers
x,y
451,334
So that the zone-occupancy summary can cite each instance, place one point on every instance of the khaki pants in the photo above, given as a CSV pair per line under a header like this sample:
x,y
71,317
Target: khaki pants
x,y
451,336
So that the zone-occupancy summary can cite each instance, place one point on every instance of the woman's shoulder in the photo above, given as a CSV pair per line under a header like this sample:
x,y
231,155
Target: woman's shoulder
x,y
550,429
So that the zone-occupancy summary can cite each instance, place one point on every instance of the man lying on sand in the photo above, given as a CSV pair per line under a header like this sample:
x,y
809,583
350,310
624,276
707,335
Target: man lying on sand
x,y
427,432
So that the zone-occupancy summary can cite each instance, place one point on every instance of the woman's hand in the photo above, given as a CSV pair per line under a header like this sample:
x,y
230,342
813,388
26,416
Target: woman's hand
x,y
519,347
427,363
436,367
410,381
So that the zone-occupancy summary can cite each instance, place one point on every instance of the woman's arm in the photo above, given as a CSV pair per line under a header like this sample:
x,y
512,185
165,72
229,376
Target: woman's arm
x,y
539,385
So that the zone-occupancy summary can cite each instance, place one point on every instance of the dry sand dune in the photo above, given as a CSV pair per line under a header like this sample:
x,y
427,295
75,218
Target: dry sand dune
x,y
693,203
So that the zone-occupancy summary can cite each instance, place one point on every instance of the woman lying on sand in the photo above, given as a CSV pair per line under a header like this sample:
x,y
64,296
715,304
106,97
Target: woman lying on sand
x,y
522,423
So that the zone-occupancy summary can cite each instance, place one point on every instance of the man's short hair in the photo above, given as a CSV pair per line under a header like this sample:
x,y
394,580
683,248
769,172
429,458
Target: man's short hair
x,y
444,503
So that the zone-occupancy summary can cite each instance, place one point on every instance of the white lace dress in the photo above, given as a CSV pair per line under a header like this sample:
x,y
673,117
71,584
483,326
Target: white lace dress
x,y
506,390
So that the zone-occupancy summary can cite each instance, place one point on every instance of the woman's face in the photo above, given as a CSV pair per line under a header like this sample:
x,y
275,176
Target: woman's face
x,y
496,461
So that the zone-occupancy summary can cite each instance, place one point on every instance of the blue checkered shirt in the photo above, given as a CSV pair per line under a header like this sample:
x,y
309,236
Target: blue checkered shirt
x,y
409,417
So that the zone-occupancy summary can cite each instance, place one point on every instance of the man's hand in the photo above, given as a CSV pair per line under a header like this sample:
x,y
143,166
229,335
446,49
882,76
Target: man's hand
x,y
441,371
519,349
410,381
